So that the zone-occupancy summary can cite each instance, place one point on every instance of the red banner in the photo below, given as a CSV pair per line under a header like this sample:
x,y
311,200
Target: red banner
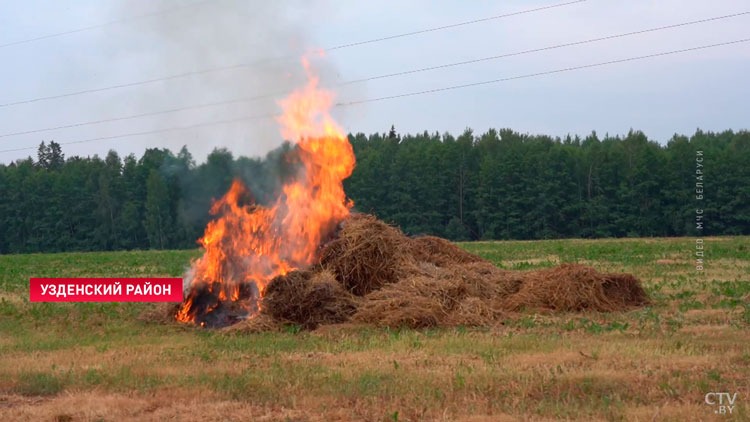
x,y
105,290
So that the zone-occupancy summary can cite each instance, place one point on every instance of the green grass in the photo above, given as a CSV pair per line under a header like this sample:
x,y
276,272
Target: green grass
x,y
15,270
39,384
619,366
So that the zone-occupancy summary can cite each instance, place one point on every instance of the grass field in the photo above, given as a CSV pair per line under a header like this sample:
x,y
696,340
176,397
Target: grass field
x,y
102,362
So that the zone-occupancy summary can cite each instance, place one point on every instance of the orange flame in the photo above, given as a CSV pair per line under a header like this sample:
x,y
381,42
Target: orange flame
x,y
248,245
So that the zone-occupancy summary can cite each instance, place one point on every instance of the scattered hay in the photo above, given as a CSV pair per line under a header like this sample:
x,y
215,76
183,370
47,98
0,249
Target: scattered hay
x,y
575,287
473,312
260,323
308,298
421,301
485,281
441,252
464,295
414,302
478,294
626,289
161,312
367,254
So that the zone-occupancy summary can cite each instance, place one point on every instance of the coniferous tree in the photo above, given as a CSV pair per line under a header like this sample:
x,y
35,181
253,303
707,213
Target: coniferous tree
x,y
496,185
157,211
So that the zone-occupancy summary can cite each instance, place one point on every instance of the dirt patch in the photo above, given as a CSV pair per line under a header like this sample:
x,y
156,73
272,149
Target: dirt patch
x,y
372,273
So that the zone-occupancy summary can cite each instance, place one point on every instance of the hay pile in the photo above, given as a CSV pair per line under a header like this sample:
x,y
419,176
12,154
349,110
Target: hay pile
x,y
372,273
309,299
367,254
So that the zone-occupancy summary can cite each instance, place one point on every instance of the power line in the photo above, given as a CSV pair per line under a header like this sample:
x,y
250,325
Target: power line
x,y
143,82
101,25
150,132
147,114
536,50
531,75
263,61
407,72
454,25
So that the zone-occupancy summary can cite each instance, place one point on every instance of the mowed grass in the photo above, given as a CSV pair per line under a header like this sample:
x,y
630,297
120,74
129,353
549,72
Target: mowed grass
x,y
103,362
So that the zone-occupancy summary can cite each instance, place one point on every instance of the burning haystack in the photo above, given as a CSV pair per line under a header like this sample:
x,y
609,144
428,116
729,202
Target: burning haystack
x,y
247,245
372,273
305,259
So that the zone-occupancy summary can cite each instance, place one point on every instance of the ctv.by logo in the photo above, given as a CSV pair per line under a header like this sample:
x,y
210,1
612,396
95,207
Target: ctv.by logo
x,y
725,402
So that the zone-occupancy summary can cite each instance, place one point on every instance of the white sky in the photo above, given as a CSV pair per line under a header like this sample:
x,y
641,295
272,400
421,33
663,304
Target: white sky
x,y
661,96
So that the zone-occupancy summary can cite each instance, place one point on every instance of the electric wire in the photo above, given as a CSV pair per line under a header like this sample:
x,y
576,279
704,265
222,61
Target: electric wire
x,y
367,100
531,75
389,75
263,61
101,25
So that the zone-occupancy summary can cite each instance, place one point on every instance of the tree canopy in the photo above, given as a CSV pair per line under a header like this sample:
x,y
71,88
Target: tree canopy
x,y
496,185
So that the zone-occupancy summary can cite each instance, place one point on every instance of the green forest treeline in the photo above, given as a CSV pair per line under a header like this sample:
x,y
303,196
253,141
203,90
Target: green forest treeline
x,y
497,185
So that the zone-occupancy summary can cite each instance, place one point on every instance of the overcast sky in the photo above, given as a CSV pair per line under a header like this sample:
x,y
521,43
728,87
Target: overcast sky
x,y
661,96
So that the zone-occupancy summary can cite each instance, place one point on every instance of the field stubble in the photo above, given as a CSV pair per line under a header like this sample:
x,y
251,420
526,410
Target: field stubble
x,y
71,362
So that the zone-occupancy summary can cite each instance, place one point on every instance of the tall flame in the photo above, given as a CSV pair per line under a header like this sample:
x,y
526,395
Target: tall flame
x,y
247,245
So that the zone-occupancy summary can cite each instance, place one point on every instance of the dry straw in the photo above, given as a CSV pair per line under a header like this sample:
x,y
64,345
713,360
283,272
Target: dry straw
x,y
372,273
